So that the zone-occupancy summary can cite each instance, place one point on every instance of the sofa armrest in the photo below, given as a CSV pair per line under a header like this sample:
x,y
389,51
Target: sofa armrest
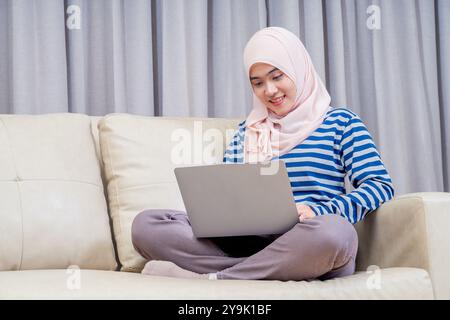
x,y
412,230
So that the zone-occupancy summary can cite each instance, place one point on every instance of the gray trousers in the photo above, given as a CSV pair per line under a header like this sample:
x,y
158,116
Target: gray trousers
x,y
323,247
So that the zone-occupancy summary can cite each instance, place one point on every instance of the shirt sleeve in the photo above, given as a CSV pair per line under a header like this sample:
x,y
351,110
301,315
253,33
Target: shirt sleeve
x,y
366,172
234,152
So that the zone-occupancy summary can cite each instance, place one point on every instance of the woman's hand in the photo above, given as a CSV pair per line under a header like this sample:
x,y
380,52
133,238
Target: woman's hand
x,y
304,212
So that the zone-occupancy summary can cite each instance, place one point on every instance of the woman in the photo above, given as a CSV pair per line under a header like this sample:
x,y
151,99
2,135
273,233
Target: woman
x,y
291,120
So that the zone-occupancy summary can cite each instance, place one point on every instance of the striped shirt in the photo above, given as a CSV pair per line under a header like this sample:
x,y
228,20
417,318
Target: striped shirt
x,y
340,146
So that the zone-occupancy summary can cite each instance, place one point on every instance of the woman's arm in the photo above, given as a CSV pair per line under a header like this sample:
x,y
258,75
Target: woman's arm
x,y
234,152
366,171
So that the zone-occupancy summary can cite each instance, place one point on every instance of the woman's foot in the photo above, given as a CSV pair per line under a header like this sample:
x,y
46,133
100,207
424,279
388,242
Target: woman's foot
x,y
170,269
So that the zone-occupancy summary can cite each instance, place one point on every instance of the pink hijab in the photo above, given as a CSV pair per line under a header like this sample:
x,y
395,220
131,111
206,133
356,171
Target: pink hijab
x,y
268,135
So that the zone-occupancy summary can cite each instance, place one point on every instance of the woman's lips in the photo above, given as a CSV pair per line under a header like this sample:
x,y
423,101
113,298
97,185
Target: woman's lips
x,y
278,101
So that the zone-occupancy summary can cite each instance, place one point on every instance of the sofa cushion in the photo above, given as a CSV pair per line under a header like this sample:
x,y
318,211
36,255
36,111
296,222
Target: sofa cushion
x,y
52,211
394,283
139,155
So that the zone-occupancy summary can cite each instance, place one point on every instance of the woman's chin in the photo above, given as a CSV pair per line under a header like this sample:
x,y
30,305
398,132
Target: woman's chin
x,y
280,112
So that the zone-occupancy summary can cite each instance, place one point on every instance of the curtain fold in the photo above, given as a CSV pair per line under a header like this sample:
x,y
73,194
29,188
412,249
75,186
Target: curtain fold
x,y
442,14
386,60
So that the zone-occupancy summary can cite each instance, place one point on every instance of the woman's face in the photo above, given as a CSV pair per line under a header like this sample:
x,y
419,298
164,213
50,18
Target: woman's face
x,y
273,88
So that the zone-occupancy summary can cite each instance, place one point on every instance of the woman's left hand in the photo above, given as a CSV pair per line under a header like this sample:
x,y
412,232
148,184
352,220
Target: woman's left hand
x,y
304,212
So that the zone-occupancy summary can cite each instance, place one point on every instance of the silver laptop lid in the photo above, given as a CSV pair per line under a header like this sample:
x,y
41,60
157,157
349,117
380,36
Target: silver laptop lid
x,y
237,199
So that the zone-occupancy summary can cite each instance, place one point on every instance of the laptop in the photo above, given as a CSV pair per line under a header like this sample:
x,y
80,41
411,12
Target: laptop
x,y
237,199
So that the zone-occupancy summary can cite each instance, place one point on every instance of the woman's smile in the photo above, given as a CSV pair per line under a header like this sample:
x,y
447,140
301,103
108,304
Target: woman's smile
x,y
277,101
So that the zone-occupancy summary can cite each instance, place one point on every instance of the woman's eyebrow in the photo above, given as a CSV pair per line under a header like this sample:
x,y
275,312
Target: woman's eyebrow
x,y
273,70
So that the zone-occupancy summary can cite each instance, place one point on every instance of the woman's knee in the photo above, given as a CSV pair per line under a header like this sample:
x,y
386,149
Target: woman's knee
x,y
149,224
142,223
337,235
328,234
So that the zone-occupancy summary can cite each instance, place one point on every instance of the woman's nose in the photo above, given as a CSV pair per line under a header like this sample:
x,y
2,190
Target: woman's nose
x,y
271,89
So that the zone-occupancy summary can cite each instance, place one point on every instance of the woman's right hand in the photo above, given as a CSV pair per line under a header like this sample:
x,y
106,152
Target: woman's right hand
x,y
304,212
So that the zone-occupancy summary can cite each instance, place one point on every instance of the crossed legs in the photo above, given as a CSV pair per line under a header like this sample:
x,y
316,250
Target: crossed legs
x,y
323,247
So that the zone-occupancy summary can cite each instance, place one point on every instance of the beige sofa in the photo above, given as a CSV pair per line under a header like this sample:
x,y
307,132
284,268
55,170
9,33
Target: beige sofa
x,y
70,186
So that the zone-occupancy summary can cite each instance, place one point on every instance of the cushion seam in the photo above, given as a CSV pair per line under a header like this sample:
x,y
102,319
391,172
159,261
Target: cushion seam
x,y
56,180
111,165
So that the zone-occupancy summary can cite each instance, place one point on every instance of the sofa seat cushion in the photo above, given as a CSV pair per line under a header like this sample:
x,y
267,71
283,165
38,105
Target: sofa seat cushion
x,y
394,283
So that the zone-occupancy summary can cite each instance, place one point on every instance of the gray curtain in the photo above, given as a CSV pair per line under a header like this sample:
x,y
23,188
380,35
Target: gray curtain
x,y
387,60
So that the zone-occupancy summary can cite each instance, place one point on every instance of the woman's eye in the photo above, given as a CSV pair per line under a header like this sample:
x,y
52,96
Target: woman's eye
x,y
278,77
257,84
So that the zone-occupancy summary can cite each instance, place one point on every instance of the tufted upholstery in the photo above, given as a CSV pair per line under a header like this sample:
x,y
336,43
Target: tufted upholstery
x,y
52,210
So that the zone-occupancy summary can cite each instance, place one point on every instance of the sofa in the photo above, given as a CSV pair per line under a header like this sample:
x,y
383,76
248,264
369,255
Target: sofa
x,y
71,185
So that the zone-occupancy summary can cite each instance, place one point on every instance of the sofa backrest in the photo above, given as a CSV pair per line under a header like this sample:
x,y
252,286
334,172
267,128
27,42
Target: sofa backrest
x,y
53,212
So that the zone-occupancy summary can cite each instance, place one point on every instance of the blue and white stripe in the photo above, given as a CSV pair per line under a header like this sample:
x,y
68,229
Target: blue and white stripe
x,y
340,146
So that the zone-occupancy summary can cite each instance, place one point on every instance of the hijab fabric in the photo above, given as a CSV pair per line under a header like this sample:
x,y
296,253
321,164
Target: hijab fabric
x,y
267,134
